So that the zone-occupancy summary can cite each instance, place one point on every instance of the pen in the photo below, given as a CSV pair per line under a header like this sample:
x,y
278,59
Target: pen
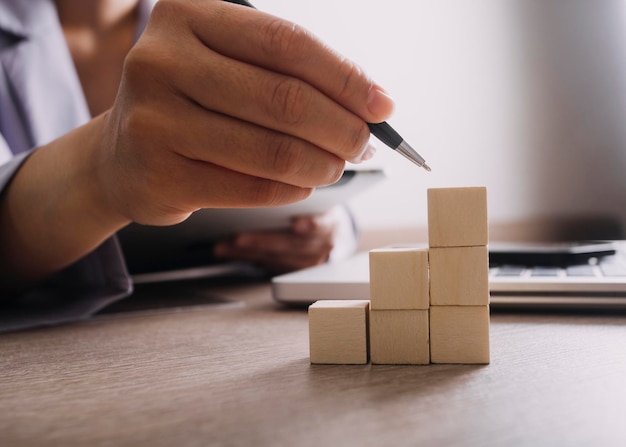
x,y
383,131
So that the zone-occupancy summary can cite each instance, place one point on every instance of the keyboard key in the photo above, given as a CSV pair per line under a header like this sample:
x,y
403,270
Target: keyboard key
x,y
545,271
510,271
580,270
610,269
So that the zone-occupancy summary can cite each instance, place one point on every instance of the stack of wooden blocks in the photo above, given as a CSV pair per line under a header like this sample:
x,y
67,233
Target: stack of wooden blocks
x,y
459,275
426,305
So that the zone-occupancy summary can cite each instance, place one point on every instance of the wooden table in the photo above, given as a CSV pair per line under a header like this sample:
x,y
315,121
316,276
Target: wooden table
x,y
230,368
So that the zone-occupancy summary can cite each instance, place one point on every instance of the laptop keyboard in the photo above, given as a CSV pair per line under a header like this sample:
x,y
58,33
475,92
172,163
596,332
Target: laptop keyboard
x,y
610,266
598,284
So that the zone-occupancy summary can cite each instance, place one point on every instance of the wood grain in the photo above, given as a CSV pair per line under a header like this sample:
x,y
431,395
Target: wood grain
x,y
239,375
399,278
338,332
399,337
459,334
457,217
459,276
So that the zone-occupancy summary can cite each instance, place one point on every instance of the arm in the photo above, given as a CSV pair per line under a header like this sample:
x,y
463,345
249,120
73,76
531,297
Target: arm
x,y
51,213
219,106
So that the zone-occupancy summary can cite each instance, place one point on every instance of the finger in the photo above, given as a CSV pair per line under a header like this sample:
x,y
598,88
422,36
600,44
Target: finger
x,y
279,45
268,99
180,185
198,182
275,245
325,223
274,97
288,262
248,148
278,243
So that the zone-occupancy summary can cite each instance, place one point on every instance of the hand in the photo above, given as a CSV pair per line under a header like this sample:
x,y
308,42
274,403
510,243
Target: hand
x,y
222,105
308,242
219,106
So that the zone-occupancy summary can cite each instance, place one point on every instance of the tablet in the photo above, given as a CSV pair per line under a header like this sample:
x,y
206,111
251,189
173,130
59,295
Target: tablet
x,y
188,245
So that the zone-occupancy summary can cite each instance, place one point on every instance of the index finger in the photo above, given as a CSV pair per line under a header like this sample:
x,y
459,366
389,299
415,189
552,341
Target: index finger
x,y
266,41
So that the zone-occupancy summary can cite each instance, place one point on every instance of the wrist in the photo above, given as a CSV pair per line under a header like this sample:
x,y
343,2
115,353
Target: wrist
x,y
53,212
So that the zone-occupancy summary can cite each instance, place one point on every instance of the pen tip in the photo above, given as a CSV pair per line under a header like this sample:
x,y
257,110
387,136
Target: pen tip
x,y
425,166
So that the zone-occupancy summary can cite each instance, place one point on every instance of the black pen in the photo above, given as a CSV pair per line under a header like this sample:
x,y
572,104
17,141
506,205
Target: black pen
x,y
383,131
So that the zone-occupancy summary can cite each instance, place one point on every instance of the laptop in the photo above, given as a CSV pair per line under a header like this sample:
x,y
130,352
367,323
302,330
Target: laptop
x,y
581,276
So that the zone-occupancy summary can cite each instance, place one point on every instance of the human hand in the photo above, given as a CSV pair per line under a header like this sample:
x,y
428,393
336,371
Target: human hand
x,y
308,242
219,106
226,106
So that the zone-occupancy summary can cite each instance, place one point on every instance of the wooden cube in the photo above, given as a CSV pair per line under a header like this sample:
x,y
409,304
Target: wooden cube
x,y
459,334
399,279
338,331
399,337
457,217
459,276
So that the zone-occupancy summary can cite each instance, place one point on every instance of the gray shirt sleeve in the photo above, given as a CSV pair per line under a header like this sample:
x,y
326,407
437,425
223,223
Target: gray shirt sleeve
x,y
41,99
76,292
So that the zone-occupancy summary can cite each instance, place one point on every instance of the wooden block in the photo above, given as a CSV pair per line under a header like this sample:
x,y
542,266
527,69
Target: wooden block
x,y
399,337
457,217
399,279
459,334
338,331
459,276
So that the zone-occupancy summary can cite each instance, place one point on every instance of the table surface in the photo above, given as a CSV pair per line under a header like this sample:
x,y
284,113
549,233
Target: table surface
x,y
225,365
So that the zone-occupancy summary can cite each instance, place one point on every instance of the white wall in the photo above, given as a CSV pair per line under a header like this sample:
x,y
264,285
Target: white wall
x,y
478,96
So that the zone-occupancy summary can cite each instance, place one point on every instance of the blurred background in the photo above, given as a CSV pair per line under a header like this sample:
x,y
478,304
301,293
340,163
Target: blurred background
x,y
525,97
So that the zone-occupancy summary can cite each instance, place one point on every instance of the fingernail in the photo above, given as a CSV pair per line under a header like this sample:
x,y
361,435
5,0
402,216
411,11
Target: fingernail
x,y
302,226
369,153
379,103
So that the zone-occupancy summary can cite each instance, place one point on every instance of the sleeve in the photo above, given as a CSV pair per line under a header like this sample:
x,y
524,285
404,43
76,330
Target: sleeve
x,y
74,293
